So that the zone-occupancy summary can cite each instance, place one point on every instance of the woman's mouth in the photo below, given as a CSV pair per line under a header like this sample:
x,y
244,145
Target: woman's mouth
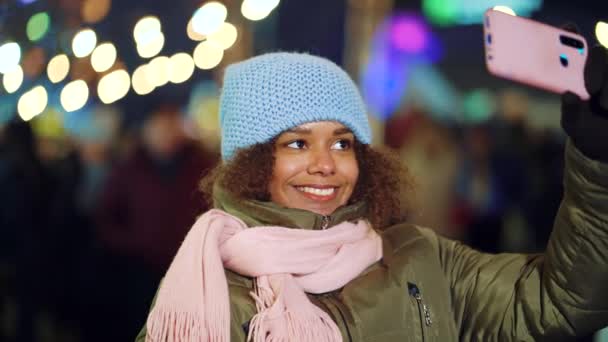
x,y
318,193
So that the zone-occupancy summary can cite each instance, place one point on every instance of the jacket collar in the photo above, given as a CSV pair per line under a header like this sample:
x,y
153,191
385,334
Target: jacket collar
x,y
259,213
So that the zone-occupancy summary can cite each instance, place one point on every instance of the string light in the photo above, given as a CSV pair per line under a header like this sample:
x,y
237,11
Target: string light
x,y
114,86
84,42
225,37
74,95
601,33
13,79
32,103
158,72
207,55
152,48
10,54
504,9
258,9
103,57
141,82
181,67
146,29
193,34
58,68
209,17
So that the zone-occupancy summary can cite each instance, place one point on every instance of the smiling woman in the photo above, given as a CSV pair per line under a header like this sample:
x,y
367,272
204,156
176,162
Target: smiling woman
x,y
308,239
372,176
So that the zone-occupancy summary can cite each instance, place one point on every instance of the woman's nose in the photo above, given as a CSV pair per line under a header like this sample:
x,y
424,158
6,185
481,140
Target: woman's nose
x,y
321,162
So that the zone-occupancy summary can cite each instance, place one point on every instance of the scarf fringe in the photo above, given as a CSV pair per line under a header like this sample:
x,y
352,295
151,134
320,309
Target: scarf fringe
x,y
170,324
297,328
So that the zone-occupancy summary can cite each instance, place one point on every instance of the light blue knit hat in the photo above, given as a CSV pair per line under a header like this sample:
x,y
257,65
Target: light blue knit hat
x,y
268,94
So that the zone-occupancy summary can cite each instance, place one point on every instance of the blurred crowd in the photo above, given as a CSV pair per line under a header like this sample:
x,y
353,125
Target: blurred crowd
x,y
89,226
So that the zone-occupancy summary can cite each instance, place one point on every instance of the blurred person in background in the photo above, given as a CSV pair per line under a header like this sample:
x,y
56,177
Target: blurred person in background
x,y
25,193
428,149
147,206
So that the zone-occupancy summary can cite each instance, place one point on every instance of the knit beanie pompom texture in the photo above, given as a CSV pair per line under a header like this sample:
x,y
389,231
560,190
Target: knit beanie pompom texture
x,y
268,94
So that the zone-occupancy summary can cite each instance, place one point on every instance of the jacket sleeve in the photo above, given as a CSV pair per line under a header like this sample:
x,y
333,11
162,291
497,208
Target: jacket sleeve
x,y
553,296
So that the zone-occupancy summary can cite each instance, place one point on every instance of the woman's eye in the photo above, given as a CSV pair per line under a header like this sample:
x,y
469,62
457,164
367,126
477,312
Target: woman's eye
x,y
342,145
298,144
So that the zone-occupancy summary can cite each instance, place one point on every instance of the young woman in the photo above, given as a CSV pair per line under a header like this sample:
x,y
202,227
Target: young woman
x,y
309,241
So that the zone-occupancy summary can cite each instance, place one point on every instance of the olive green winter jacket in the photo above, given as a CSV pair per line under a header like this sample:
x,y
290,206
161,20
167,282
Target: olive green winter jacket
x,y
428,288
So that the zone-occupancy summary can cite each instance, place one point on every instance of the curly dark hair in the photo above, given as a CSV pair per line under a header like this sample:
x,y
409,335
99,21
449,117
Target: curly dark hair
x,y
384,182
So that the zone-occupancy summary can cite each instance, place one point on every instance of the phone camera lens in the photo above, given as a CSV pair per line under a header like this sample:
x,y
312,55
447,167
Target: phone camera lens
x,y
489,38
563,59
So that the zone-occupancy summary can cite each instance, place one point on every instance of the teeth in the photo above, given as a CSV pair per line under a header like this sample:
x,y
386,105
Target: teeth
x,y
318,192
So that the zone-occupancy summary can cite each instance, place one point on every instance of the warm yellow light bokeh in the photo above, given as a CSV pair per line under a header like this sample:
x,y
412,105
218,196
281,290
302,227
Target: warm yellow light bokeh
x,y
258,9
601,33
207,55
140,81
13,79
74,95
225,37
103,57
146,30
32,103
181,67
153,47
158,71
58,68
114,86
193,34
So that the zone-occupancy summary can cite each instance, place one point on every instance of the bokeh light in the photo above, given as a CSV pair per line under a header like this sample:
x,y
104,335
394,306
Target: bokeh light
x,y
146,30
103,57
84,42
13,79
601,33
465,12
93,11
193,34
32,103
209,17
58,68
478,106
114,86
38,26
504,9
141,81
207,55
158,71
258,9
181,67
225,37
10,54
153,47
74,95
409,34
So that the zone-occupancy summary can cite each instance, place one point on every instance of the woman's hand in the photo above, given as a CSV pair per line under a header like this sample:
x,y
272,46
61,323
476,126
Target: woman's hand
x,y
586,122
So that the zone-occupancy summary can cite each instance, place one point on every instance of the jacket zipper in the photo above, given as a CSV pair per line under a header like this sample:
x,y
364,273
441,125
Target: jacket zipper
x,y
423,309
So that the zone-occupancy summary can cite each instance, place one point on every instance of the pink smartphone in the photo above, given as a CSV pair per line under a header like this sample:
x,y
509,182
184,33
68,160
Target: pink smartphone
x,y
534,53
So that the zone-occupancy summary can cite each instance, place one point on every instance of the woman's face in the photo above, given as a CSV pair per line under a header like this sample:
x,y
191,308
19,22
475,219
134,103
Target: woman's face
x,y
315,167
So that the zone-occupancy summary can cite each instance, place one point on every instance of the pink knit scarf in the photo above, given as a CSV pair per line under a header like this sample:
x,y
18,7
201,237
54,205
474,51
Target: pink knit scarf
x,y
193,305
